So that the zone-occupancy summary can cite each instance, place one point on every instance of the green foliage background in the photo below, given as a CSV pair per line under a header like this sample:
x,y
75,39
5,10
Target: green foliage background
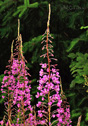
x,y
70,42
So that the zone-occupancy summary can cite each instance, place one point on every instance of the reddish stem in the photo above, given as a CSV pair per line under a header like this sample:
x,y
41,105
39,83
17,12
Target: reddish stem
x,y
49,108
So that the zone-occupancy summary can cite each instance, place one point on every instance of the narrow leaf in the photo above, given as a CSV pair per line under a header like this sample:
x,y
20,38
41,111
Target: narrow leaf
x,y
86,119
84,27
81,102
22,12
21,7
82,37
34,5
73,43
5,5
27,3
17,12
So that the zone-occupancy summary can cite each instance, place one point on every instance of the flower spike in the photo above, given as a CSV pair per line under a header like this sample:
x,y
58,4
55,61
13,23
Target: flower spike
x,y
51,111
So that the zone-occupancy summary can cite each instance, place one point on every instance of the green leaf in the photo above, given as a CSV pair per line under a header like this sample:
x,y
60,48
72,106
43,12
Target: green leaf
x,y
15,13
82,37
86,119
73,43
72,85
26,3
86,32
81,102
76,114
72,55
85,69
79,58
84,27
5,5
70,94
4,31
21,7
30,45
73,18
34,57
1,77
7,18
34,5
73,67
79,79
2,100
22,12
54,123
45,2
1,3
34,80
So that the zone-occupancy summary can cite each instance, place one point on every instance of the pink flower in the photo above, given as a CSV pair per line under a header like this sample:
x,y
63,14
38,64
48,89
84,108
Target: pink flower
x,y
58,115
60,119
61,110
43,99
41,81
55,80
50,103
39,87
45,78
45,91
47,69
53,115
49,123
3,97
57,74
41,72
39,103
44,65
37,96
42,122
1,122
59,103
39,113
53,70
5,78
18,105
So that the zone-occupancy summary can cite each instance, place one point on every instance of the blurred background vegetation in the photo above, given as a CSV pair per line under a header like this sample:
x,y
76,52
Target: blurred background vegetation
x,y
68,25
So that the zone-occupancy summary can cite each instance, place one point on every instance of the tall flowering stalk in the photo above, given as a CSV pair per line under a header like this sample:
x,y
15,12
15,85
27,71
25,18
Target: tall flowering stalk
x,y
7,83
17,85
51,110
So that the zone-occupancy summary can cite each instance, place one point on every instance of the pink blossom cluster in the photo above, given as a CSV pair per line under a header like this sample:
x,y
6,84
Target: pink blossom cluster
x,y
22,87
49,89
17,85
8,83
63,116
31,121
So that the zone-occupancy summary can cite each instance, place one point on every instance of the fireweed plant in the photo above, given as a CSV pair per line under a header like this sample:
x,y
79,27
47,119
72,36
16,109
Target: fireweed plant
x,y
51,109
17,85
